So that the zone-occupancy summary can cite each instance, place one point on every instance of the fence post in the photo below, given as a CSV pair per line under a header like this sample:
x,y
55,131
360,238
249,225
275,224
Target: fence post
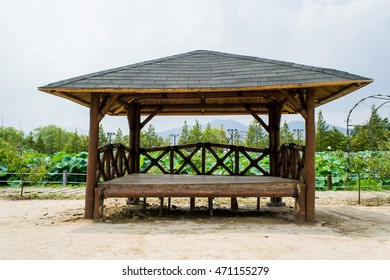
x,y
329,182
64,178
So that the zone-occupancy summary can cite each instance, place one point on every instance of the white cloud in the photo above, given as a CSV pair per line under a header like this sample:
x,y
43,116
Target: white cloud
x,y
44,41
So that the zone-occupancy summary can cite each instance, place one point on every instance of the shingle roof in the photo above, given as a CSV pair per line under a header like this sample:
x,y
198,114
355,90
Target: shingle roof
x,y
205,69
208,71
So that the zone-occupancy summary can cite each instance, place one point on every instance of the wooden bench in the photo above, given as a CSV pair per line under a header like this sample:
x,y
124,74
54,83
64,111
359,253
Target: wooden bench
x,y
138,185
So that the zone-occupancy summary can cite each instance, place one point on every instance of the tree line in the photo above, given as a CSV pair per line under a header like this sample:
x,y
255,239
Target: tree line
x,y
372,135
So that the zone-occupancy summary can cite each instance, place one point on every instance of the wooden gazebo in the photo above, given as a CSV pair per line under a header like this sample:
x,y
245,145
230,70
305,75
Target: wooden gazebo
x,y
206,83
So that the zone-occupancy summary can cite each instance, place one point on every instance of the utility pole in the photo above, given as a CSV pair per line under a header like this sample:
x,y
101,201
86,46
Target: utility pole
x,y
174,138
299,132
232,131
109,135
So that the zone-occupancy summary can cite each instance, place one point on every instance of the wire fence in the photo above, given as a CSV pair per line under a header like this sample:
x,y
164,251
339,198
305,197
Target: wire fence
x,y
352,182
347,182
63,179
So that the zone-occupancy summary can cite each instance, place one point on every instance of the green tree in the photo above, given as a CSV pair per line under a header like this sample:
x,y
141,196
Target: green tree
x,y
119,138
28,165
103,139
51,139
372,134
29,141
77,143
11,135
39,144
236,138
150,138
83,144
286,136
184,135
336,140
214,135
71,146
256,136
322,130
195,133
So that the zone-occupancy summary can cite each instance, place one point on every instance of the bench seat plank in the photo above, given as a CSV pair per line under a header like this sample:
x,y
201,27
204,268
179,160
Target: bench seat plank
x,y
173,185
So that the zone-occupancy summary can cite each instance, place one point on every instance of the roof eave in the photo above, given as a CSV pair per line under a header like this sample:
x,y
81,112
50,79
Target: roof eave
x,y
56,90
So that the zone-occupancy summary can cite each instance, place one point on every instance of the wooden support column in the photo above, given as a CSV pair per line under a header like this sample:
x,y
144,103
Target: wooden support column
x,y
137,116
131,121
274,118
310,156
92,155
134,119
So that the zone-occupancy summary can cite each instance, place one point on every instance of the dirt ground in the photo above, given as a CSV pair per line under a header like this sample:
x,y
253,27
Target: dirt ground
x,y
46,229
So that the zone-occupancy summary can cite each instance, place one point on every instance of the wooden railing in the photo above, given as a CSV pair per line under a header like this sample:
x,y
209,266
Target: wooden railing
x,y
291,161
113,162
201,159
204,159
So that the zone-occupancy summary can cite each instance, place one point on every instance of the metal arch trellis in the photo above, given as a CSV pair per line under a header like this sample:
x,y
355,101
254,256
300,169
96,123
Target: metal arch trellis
x,y
376,96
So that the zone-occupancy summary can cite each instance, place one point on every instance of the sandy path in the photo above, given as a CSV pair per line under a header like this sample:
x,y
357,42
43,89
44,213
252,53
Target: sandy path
x,y
54,229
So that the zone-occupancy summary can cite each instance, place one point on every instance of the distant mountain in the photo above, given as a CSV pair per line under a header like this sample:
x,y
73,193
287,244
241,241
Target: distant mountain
x,y
301,125
233,124
227,124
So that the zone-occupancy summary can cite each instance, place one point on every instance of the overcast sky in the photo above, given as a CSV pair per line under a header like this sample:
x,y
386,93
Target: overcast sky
x,y
44,41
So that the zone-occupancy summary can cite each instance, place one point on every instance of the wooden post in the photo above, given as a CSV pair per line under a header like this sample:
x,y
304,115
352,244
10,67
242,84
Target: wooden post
x,y
131,121
134,120
271,140
137,117
274,118
310,156
92,155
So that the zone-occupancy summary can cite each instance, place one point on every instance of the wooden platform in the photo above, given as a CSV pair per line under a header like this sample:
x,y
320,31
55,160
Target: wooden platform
x,y
168,185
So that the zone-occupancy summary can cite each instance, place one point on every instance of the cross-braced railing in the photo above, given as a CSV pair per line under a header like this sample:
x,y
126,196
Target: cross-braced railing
x,y
201,159
204,159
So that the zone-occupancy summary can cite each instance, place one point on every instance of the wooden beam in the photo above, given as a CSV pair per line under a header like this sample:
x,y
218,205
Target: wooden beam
x,y
204,90
110,101
104,98
73,98
151,116
92,156
295,103
342,92
120,109
239,105
257,118
310,156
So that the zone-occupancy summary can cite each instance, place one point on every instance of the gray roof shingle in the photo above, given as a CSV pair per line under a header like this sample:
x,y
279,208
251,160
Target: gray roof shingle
x,y
207,82
205,69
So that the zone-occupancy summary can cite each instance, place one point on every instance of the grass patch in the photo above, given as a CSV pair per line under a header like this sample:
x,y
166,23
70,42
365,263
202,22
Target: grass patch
x,y
376,201
40,192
